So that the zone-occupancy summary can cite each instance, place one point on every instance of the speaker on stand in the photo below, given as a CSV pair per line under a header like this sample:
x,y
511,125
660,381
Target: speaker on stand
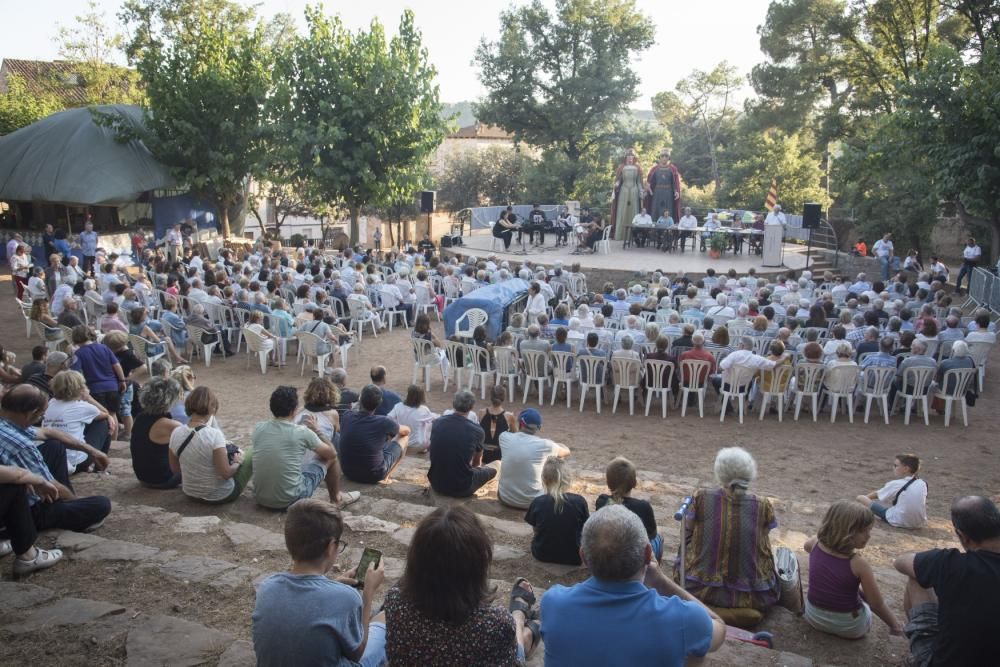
x,y
427,206
811,214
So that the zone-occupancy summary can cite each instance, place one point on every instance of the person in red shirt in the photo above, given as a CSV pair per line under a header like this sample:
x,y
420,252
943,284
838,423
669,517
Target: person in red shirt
x,y
860,249
698,352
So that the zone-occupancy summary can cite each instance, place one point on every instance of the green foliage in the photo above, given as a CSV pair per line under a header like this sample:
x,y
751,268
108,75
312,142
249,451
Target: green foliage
x,y
490,177
20,107
561,80
718,241
297,241
157,23
709,97
757,158
206,92
352,115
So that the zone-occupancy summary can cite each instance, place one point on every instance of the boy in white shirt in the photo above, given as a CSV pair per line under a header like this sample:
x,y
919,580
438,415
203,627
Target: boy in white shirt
x,y
901,502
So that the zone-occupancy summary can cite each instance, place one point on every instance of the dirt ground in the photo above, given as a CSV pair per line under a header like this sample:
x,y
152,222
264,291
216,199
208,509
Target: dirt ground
x,y
803,466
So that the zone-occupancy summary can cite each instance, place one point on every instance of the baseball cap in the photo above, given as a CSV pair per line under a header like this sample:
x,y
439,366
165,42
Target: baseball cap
x,y
530,417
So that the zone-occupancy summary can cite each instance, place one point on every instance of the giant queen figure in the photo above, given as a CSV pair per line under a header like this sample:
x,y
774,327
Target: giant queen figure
x,y
628,191
663,183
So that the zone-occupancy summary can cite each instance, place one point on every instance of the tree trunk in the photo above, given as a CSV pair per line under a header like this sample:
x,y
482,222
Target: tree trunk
x,y
355,214
223,218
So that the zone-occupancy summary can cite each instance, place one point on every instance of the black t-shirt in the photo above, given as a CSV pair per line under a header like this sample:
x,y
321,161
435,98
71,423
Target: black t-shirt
x,y
32,368
557,536
128,361
967,585
362,438
640,507
454,441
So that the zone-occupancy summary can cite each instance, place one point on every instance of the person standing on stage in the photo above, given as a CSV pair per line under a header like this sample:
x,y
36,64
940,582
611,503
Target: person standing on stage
x,y
775,217
663,185
628,190
971,255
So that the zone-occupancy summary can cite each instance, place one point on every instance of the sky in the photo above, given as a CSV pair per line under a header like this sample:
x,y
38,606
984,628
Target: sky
x,y
689,35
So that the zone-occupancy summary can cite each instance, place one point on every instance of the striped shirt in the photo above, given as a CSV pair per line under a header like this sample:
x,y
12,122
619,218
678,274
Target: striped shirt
x,y
17,448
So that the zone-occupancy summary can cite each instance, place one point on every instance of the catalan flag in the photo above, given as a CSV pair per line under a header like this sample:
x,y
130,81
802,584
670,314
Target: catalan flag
x,y
772,195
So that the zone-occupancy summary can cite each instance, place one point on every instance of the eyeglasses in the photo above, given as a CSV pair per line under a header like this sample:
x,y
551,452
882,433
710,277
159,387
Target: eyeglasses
x,y
341,546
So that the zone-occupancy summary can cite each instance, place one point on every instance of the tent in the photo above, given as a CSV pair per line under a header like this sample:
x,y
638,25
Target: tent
x,y
67,158
494,299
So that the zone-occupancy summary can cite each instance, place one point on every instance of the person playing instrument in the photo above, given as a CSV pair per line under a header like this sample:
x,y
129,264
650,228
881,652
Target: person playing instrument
x,y
503,229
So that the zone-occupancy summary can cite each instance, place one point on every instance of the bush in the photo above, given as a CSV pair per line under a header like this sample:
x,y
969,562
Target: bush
x,y
297,241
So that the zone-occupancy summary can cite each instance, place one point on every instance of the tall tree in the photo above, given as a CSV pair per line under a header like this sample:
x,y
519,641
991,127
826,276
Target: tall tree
x,y
353,114
150,23
561,80
710,100
206,93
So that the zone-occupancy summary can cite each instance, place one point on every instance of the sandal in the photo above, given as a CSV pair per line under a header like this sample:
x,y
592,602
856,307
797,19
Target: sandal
x,y
522,599
536,635
44,558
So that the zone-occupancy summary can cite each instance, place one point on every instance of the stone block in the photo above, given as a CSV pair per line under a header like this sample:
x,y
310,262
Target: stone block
x,y
253,537
512,528
195,568
369,524
67,611
196,524
117,550
165,640
21,596
69,541
239,654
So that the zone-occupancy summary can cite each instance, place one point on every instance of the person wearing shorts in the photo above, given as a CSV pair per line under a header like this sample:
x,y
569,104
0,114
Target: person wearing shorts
x,y
371,445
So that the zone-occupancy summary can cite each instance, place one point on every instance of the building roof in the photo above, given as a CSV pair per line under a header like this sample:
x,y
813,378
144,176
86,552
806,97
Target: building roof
x,y
58,77
481,131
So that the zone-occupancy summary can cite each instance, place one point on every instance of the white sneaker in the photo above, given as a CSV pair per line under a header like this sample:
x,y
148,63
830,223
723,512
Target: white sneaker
x,y
349,498
44,558
5,548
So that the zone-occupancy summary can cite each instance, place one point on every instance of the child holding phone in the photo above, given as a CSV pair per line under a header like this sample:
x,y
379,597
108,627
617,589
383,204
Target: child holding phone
x,y
902,502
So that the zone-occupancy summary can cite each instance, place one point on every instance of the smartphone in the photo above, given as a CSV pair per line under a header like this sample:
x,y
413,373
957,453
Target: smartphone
x,y
369,558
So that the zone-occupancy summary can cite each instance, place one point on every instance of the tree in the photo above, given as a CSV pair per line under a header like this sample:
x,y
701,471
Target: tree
x,y
150,23
352,114
92,46
20,107
206,93
562,80
494,176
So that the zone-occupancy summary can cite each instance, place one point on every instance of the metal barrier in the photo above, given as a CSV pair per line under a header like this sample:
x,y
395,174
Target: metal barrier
x,y
984,290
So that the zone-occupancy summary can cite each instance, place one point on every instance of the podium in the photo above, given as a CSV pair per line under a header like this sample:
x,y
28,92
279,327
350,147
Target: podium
x,y
773,236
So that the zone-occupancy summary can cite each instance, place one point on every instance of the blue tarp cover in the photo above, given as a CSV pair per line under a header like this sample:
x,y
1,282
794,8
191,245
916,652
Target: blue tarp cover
x,y
494,299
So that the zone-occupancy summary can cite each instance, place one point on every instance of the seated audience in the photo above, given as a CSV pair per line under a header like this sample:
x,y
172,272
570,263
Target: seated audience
x,y
621,478
304,617
523,455
414,414
389,397
72,411
456,451
902,502
728,560
628,612
282,473
557,517
950,597
151,433
371,445
211,470
320,400
441,611
19,534
839,576
496,421
37,364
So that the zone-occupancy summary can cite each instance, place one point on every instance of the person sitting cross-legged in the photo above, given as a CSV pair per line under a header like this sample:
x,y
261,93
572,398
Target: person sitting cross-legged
x,y
18,534
523,455
371,445
628,612
557,517
902,502
621,477
303,617
950,597
456,451
281,472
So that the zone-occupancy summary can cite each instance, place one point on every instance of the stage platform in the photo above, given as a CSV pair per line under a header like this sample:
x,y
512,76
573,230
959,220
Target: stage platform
x,y
623,263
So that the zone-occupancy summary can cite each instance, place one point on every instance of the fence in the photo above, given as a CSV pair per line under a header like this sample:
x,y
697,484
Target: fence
x,y
984,290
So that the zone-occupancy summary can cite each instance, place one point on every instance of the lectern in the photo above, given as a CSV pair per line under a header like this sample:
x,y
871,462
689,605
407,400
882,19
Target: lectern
x,y
773,235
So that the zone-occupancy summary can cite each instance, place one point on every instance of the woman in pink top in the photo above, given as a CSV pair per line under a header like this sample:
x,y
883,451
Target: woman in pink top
x,y
834,603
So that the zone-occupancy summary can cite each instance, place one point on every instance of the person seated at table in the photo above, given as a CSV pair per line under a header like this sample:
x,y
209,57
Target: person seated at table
x,y
504,229
557,517
902,502
666,232
622,479
728,562
643,221
711,224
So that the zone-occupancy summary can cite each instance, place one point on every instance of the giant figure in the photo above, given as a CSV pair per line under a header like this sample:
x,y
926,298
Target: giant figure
x,y
664,187
628,192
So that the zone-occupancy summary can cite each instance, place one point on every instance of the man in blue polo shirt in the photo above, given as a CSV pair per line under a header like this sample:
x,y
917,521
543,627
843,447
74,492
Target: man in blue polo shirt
x,y
628,612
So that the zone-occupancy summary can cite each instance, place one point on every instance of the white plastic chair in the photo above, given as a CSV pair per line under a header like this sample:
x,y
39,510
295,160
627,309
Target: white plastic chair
x,y
694,380
954,384
361,316
980,352
736,388
840,383
257,344
139,348
659,381
775,389
915,386
391,310
25,307
480,366
563,370
455,353
425,358
423,302
593,371
875,384
195,339
507,368
536,369
627,375
604,245
469,320
808,383
309,343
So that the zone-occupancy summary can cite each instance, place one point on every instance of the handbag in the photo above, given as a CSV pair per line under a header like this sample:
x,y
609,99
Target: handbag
x,y
790,579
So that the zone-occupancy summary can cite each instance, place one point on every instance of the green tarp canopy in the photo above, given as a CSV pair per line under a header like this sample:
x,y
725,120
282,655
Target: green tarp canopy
x,y
67,158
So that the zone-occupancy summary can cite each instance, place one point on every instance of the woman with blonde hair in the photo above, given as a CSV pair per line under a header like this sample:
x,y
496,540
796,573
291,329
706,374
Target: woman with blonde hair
x,y
72,411
40,313
839,576
557,517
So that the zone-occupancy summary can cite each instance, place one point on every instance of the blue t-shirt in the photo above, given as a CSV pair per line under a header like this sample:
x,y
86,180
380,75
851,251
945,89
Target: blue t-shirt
x,y
306,620
649,629
362,438
389,401
97,362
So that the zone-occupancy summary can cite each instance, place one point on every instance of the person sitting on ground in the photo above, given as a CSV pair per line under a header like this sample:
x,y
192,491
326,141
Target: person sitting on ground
x,y
496,421
523,455
20,408
902,502
652,620
456,451
321,399
834,603
348,397
303,617
621,477
389,398
36,366
441,611
282,474
371,445
72,411
211,470
557,516
151,433
414,414
950,596
18,536
728,561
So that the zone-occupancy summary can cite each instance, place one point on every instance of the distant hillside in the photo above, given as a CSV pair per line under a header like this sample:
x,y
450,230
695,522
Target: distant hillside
x,y
467,117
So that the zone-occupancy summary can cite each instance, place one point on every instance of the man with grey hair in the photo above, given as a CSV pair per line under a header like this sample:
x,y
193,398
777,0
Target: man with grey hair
x,y
456,451
628,612
918,359
869,341
212,333
743,357
534,341
348,397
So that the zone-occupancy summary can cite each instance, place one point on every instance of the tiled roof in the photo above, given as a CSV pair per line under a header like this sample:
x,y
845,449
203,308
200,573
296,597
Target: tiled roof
x,y
58,77
481,131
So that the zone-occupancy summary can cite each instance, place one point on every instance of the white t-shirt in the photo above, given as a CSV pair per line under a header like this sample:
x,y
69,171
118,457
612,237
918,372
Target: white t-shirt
x,y
911,509
522,458
419,420
198,475
70,417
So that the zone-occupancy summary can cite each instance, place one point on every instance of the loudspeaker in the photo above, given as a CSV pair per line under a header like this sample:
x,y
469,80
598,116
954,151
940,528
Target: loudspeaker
x,y
427,201
445,241
810,216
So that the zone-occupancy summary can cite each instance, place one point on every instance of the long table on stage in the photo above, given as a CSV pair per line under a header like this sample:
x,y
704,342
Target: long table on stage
x,y
668,236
